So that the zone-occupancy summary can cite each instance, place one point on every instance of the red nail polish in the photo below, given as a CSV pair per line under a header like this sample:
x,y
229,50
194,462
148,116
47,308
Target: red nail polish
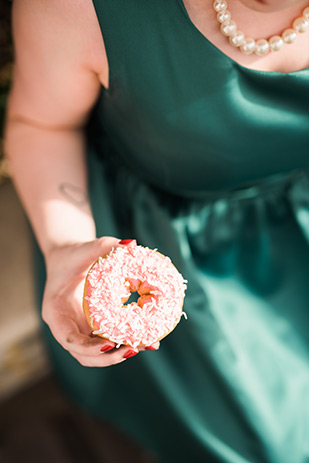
x,y
150,348
129,354
125,242
106,348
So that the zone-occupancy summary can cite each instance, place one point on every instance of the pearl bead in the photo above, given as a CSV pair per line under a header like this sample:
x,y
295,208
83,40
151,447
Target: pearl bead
x,y
306,13
228,28
237,39
262,47
249,46
301,24
289,35
219,5
223,16
275,43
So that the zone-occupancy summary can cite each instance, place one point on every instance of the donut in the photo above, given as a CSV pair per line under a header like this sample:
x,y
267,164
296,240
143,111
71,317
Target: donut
x,y
108,287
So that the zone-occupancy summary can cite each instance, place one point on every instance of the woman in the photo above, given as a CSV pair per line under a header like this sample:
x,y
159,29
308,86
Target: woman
x,y
200,150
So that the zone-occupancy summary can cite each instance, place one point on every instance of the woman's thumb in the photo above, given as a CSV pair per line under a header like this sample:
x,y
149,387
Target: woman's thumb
x,y
89,252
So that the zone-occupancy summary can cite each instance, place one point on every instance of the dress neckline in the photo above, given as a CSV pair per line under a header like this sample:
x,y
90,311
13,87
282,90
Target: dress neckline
x,y
231,60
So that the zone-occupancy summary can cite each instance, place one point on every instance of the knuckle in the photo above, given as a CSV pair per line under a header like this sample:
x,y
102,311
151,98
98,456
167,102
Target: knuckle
x,y
70,338
83,344
86,343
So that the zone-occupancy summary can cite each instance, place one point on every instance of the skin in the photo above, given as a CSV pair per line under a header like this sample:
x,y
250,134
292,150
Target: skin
x,y
266,6
57,80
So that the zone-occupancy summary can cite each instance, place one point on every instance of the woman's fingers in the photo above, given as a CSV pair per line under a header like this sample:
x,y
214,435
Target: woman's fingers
x,y
107,359
154,346
87,349
86,254
78,340
95,351
81,344
67,333
112,358
103,360
76,258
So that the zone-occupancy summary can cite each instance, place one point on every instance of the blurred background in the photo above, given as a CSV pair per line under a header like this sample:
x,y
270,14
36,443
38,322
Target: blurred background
x,y
37,423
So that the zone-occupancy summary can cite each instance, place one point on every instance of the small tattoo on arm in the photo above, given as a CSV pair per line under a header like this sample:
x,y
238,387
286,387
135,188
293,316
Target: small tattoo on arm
x,y
74,194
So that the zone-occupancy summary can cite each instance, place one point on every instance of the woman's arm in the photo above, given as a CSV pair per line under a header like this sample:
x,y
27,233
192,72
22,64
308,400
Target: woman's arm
x,y
55,86
59,56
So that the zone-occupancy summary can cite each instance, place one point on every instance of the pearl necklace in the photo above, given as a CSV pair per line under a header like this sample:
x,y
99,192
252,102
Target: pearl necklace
x,y
260,47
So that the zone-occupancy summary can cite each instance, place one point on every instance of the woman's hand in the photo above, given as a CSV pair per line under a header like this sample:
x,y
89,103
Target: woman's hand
x,y
67,268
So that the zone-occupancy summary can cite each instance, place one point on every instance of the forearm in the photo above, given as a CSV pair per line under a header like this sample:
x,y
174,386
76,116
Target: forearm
x,y
49,171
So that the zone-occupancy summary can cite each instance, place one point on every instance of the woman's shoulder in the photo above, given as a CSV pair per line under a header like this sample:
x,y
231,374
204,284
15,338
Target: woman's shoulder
x,y
59,60
69,25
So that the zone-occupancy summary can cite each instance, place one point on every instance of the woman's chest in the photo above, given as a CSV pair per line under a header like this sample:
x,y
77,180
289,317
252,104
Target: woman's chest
x,y
218,131
189,118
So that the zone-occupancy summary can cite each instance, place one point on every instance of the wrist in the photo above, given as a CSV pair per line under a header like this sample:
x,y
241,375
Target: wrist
x,y
64,225
58,247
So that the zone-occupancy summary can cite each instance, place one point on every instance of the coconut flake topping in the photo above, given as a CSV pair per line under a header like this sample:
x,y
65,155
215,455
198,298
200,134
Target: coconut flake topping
x,y
159,308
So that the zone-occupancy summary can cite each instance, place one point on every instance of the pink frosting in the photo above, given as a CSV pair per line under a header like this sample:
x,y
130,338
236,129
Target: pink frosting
x,y
159,309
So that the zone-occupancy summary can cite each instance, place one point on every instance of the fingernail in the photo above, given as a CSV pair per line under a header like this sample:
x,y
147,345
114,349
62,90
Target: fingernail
x,y
150,348
125,242
106,348
129,354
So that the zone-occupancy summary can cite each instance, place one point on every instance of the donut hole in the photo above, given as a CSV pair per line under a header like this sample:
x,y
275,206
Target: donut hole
x,y
134,296
140,292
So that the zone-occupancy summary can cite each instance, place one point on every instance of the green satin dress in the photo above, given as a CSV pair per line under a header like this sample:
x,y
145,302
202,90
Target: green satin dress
x,y
208,161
